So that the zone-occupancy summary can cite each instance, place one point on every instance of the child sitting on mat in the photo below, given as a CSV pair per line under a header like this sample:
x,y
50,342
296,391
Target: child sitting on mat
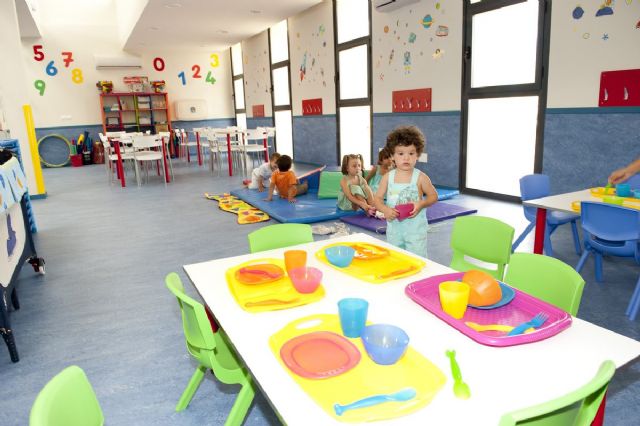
x,y
262,174
375,174
354,192
285,180
406,184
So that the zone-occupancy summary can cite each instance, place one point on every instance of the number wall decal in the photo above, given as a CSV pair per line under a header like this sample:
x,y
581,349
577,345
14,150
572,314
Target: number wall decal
x,y
38,54
210,78
40,85
184,80
76,76
196,71
51,69
158,64
215,61
68,58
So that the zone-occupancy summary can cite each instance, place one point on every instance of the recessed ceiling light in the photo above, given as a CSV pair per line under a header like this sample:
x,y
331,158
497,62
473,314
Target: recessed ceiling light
x,y
172,5
223,32
255,11
154,28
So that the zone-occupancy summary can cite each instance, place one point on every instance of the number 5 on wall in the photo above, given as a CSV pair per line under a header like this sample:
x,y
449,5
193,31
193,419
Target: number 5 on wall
x,y
38,54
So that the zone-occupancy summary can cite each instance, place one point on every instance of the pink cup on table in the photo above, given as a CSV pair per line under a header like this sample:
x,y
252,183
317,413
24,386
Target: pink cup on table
x,y
404,210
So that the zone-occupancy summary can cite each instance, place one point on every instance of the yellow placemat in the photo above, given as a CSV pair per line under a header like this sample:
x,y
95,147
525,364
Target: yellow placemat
x,y
382,265
246,213
271,296
366,379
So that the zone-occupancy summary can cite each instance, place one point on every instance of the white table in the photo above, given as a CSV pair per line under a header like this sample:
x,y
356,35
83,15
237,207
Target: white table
x,y
501,379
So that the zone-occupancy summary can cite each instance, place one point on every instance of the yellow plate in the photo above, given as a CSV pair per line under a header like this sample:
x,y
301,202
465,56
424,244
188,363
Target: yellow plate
x,y
366,379
270,296
379,267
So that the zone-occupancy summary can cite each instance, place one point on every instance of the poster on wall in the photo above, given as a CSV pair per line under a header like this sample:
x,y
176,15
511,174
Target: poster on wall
x,y
415,100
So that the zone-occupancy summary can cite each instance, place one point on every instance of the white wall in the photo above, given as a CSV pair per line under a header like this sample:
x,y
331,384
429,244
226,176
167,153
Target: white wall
x,y
14,86
391,37
66,103
311,35
579,51
257,72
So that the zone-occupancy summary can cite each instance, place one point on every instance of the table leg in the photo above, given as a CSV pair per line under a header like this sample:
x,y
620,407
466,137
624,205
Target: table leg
x,y
599,419
229,154
119,165
541,222
266,150
198,146
164,162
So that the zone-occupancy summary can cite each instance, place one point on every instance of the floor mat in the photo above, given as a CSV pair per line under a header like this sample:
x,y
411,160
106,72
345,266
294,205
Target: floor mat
x,y
436,213
246,213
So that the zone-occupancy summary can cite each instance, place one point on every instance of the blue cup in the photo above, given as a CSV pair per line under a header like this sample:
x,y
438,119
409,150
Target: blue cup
x,y
353,316
623,190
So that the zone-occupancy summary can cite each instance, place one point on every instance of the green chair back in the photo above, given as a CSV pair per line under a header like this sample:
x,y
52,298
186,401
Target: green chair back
x,y
212,351
329,186
482,238
279,236
577,408
546,278
67,400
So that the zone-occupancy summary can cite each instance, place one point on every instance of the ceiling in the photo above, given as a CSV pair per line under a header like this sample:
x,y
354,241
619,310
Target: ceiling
x,y
211,25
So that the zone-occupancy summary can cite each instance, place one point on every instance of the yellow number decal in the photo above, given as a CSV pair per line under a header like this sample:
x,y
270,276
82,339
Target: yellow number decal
x,y
76,75
215,61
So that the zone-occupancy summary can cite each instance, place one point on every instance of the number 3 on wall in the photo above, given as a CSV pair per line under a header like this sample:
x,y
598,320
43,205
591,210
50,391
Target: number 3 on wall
x,y
214,60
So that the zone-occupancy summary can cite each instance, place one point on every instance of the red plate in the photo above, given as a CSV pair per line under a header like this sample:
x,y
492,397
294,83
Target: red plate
x,y
319,355
260,273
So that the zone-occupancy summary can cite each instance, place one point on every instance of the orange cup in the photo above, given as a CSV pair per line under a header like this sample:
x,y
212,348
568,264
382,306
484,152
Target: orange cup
x,y
295,259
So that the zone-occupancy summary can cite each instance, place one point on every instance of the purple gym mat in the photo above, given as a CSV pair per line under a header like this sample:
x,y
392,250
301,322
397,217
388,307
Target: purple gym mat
x,y
436,213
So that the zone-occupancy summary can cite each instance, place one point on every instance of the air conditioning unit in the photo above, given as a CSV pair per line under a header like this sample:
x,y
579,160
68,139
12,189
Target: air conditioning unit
x,y
117,61
384,6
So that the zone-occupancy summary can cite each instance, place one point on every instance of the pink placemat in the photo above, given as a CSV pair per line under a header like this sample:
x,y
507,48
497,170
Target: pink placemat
x,y
521,309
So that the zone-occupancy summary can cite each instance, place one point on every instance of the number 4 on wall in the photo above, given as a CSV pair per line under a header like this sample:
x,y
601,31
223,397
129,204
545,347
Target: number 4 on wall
x,y
210,78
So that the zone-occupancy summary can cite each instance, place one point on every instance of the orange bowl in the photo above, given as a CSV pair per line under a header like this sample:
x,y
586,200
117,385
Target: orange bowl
x,y
484,289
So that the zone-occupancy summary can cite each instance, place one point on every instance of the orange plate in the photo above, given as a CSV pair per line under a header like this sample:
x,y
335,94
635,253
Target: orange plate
x,y
261,273
319,355
365,251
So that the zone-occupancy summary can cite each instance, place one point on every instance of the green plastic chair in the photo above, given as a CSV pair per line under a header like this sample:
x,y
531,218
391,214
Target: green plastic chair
x,y
482,238
212,351
577,408
67,400
546,278
279,236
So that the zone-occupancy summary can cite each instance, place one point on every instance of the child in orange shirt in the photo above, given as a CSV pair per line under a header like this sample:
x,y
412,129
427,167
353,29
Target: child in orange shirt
x,y
285,180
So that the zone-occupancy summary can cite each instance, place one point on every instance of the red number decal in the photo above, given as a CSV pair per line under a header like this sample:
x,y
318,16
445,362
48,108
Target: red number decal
x,y
68,58
158,64
196,71
38,55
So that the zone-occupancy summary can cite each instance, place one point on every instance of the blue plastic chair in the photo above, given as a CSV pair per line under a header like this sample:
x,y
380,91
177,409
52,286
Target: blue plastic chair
x,y
612,230
538,186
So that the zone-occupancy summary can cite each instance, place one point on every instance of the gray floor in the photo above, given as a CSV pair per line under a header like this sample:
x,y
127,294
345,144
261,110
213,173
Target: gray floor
x,y
103,305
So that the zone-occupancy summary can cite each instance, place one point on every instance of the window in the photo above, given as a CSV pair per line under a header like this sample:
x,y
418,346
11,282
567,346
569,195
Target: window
x,y
353,70
281,95
238,85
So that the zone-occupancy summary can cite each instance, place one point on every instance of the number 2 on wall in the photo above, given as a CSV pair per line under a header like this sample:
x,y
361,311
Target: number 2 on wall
x,y
196,71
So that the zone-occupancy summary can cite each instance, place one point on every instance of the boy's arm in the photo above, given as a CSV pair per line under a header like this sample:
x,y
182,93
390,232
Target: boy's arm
x,y
272,186
260,183
291,196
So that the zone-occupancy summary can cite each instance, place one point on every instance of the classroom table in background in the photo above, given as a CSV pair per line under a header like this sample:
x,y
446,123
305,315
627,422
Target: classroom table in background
x,y
501,379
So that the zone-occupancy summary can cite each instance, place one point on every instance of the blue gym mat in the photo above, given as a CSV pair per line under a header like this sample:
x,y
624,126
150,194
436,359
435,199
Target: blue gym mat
x,y
445,193
307,208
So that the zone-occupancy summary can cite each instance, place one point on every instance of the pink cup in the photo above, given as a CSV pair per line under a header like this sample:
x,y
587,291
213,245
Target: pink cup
x,y
404,210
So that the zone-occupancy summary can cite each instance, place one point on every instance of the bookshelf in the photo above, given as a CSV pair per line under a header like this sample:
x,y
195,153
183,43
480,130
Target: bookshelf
x,y
135,112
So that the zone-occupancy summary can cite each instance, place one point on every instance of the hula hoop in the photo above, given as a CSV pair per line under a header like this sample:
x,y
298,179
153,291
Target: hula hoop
x,y
53,135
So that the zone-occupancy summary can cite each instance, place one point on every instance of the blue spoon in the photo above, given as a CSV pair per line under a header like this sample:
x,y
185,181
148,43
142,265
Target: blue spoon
x,y
403,395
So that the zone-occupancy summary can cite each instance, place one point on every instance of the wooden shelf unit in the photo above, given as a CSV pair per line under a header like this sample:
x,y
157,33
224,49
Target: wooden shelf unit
x,y
136,112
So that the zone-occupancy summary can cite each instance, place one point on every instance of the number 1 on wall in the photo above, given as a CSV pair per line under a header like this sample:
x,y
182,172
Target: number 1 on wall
x,y
181,76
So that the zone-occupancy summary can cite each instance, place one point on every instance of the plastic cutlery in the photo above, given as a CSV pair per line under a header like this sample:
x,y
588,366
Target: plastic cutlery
x,y
535,322
493,327
397,272
460,388
258,272
403,395
267,302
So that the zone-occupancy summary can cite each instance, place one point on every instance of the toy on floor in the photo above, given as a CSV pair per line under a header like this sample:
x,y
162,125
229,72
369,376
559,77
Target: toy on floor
x,y
246,213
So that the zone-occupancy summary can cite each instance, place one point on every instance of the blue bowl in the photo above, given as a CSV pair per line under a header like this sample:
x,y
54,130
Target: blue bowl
x,y
340,256
385,343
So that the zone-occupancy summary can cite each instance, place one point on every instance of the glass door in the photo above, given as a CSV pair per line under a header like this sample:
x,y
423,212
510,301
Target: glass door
x,y
281,95
504,94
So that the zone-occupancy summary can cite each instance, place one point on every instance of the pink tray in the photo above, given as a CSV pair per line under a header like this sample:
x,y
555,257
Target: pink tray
x,y
521,309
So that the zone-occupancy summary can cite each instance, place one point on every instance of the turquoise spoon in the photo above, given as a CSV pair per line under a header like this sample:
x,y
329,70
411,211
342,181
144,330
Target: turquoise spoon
x,y
403,395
